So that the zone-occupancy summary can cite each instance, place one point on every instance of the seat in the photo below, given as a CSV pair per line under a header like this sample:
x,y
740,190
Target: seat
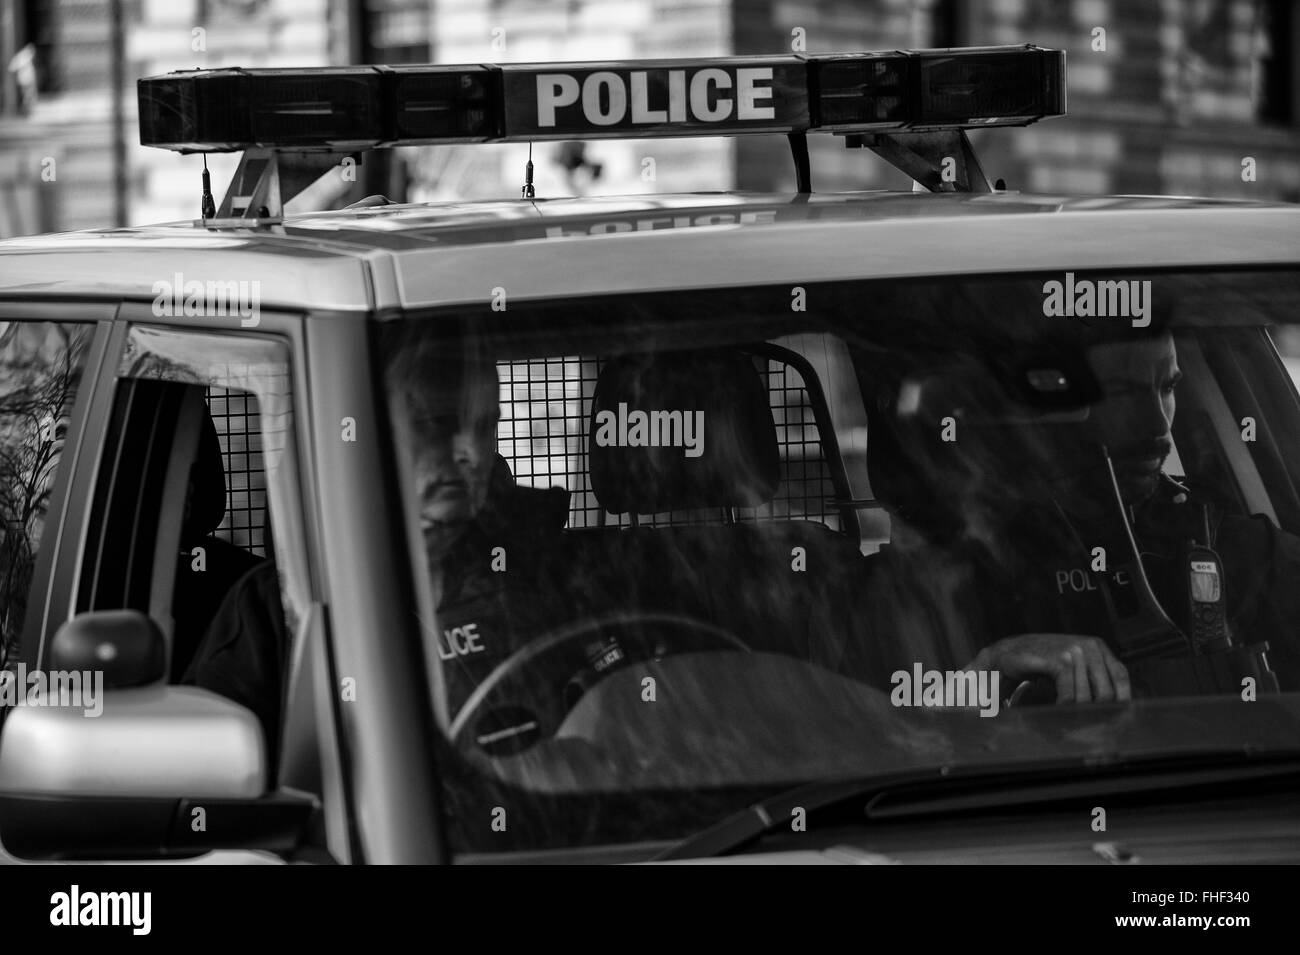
x,y
925,592
198,593
749,579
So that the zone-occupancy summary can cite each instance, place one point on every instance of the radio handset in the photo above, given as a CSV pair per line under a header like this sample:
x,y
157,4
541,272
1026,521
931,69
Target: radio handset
x,y
1222,664
1207,621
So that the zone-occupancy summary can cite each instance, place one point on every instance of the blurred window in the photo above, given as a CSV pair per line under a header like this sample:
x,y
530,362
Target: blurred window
x,y
947,24
1275,48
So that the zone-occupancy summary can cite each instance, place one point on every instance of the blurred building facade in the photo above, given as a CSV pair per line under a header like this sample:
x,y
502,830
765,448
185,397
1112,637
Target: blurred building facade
x,y
60,166
1184,97
1165,96
56,123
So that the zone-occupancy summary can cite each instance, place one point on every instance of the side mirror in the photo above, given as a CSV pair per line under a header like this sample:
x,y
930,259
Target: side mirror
x,y
100,766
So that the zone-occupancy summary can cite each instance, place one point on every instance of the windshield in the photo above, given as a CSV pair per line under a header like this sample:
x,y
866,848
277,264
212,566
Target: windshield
x,y
675,551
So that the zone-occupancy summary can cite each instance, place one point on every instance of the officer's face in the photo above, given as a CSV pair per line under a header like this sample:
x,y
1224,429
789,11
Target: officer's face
x,y
1134,417
453,459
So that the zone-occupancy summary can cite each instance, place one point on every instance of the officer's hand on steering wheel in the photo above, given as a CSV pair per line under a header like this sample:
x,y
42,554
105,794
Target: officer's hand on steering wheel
x,y
1082,668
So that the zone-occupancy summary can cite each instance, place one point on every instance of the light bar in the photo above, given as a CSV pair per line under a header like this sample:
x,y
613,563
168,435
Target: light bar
x,y
362,107
939,89
336,108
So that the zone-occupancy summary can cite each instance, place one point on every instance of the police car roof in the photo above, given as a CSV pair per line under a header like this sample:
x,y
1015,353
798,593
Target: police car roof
x,y
427,255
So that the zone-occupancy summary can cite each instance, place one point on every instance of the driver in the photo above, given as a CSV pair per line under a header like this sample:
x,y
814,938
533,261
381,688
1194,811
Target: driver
x,y
484,539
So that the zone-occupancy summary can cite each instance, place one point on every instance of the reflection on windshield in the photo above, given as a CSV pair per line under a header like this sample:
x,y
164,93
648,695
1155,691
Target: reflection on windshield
x,y
644,559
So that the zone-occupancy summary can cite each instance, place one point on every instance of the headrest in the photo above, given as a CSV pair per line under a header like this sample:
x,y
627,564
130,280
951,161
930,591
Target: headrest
x,y
941,487
207,499
893,481
677,430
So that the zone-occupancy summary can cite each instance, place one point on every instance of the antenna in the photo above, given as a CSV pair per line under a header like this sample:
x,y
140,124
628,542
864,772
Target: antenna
x,y
209,207
529,191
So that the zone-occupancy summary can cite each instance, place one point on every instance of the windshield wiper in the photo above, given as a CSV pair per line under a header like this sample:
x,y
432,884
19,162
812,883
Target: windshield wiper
x,y
944,789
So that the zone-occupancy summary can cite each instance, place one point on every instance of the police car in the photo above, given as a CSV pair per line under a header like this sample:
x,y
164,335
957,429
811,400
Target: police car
x,y
757,527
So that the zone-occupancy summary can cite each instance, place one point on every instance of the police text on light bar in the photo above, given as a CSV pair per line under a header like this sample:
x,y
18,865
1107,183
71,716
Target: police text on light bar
x,y
604,96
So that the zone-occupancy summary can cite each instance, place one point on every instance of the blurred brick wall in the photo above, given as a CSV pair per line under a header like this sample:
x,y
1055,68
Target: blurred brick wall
x,y
1172,105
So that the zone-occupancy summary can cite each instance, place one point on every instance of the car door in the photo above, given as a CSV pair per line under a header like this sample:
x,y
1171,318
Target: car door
x,y
176,532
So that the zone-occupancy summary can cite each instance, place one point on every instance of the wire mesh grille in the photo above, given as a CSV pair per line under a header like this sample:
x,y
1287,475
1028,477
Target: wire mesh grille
x,y
543,434
238,422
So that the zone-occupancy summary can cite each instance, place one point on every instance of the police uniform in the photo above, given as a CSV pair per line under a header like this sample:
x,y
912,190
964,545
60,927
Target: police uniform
x,y
484,613
496,592
1078,575
1048,570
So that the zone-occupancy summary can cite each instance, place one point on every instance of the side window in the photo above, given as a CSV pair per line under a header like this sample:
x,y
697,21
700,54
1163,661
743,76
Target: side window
x,y
40,370
198,467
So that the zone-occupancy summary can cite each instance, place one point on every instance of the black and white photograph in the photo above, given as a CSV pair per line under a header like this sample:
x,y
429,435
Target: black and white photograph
x,y
764,432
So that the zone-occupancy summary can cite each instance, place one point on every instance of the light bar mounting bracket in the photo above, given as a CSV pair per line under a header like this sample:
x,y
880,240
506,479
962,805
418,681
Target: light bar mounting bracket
x,y
926,157
269,177
253,197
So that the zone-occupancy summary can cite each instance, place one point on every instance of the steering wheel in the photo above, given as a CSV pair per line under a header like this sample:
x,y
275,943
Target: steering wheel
x,y
1034,691
551,645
